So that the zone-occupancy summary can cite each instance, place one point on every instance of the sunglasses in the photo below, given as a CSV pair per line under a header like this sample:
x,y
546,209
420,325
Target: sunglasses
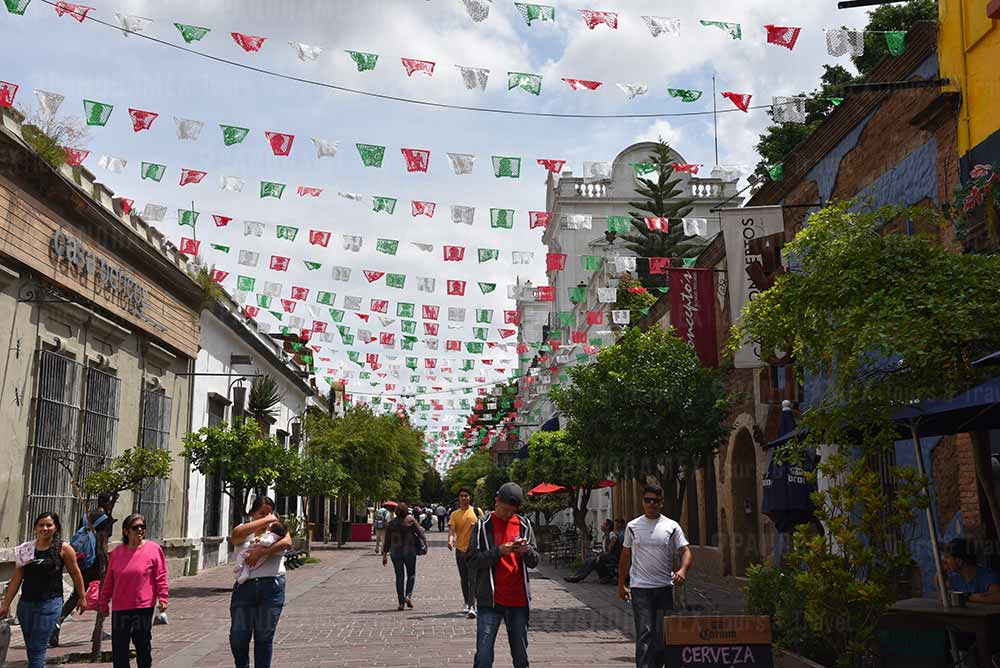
x,y
650,499
138,527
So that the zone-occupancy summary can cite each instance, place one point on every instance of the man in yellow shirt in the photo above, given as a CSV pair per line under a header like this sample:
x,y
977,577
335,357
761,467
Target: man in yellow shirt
x,y
460,526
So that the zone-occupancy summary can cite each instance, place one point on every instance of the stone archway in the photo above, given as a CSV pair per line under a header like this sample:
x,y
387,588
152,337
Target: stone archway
x,y
744,486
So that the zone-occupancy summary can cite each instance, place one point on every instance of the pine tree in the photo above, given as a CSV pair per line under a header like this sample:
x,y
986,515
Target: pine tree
x,y
660,202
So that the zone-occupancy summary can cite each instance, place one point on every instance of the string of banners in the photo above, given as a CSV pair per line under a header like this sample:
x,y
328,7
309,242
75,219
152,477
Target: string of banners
x,y
784,109
839,41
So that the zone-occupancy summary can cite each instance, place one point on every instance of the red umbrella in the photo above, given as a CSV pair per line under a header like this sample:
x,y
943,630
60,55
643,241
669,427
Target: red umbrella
x,y
549,488
391,504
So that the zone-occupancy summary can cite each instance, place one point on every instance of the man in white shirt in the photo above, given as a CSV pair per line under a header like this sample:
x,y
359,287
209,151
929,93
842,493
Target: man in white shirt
x,y
652,543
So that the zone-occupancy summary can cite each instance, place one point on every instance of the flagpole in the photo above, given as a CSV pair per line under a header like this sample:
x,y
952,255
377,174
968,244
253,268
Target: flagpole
x,y
194,223
715,120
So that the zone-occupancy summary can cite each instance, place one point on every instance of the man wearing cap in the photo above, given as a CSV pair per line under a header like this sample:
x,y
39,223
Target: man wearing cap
x,y
500,553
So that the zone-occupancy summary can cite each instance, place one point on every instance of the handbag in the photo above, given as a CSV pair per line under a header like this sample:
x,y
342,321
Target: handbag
x,y
93,595
420,540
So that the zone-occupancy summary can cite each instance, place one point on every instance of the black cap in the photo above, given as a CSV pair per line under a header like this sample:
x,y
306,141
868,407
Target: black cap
x,y
511,493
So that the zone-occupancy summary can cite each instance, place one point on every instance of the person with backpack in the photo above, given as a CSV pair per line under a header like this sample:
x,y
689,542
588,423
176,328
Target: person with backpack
x,y
442,515
404,540
90,542
38,573
382,517
136,581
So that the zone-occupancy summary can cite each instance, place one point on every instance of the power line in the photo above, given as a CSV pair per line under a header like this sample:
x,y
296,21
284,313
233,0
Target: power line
x,y
394,98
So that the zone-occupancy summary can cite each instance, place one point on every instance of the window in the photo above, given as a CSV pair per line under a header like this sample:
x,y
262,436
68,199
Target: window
x,y
213,481
154,435
76,425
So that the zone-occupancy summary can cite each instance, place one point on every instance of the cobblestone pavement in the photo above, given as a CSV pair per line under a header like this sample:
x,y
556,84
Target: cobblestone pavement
x,y
342,613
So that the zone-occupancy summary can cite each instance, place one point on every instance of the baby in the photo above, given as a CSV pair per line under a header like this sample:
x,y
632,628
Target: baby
x,y
275,532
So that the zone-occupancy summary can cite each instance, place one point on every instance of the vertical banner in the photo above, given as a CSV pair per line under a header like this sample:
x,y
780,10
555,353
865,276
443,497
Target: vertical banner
x,y
741,227
692,311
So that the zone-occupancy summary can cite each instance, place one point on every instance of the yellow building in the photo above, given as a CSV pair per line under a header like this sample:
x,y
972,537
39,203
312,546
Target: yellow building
x,y
969,52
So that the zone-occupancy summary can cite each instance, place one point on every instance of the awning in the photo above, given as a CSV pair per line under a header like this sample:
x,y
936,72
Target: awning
x,y
977,409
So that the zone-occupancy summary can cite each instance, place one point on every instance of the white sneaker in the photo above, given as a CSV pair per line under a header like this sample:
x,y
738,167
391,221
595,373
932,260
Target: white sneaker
x,y
465,609
472,613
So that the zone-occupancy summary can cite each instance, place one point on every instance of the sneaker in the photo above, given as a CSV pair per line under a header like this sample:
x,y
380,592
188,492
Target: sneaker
x,y
472,613
54,640
465,610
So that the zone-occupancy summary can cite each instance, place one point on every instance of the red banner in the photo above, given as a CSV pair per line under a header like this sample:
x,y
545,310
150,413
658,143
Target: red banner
x,y
692,311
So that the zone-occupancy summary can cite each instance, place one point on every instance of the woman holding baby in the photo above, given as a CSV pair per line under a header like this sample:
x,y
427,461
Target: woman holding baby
x,y
259,596
135,582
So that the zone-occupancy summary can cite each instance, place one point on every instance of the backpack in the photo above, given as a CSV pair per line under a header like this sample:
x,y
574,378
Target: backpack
x,y
420,540
380,519
84,543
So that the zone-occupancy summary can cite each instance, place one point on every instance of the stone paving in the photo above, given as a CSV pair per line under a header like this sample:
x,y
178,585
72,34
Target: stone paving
x,y
342,613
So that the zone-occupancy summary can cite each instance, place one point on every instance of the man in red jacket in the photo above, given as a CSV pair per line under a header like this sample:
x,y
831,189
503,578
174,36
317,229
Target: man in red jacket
x,y
500,553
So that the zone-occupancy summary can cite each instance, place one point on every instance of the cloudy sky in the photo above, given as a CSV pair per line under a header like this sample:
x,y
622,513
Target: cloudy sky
x,y
87,60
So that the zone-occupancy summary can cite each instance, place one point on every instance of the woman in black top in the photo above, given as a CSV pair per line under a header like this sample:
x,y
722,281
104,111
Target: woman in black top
x,y
401,539
38,575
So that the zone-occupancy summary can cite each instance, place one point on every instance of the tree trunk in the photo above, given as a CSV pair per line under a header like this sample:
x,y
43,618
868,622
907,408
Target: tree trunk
x,y
340,521
580,502
305,525
984,475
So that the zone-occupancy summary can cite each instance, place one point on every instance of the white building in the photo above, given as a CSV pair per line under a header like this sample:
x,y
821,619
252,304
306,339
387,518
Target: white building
x,y
575,200
232,353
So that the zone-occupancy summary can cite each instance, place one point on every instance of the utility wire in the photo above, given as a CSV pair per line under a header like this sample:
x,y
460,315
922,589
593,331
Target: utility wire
x,y
394,98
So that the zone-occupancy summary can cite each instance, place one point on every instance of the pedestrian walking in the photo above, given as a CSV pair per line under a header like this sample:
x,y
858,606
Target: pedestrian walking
x,y
404,539
256,604
442,515
382,517
460,526
38,568
92,566
501,551
136,582
651,545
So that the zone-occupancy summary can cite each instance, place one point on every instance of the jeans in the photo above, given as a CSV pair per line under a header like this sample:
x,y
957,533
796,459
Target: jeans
x,y
254,610
487,626
649,606
466,578
442,522
135,626
409,561
38,620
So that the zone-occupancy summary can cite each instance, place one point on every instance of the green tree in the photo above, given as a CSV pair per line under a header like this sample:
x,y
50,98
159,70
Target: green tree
x,y
132,470
887,320
660,200
432,488
309,474
524,474
467,472
903,16
556,457
264,400
634,302
854,301
646,405
240,455
778,141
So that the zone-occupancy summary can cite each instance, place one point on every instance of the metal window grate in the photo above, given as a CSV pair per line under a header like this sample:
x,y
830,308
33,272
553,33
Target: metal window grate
x,y
155,435
76,424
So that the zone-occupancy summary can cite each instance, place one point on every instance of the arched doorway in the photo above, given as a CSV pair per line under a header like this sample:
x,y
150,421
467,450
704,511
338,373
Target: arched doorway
x,y
745,485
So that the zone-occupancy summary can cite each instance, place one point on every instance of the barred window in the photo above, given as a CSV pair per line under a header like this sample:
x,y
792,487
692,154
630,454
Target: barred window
x,y
76,426
155,435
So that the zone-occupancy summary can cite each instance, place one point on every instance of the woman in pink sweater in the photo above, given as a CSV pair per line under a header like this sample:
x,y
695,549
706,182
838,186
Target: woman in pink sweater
x,y
136,580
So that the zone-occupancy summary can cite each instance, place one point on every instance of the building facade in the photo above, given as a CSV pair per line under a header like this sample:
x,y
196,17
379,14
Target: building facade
x,y
232,354
101,326
576,201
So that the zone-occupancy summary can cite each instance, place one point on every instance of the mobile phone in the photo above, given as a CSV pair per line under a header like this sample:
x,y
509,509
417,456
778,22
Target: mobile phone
x,y
521,541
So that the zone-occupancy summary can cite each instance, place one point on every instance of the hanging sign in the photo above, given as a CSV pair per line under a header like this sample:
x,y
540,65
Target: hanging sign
x,y
741,227
692,311
717,642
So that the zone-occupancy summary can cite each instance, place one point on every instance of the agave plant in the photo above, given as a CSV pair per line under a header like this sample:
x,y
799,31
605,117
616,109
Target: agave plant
x,y
263,400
